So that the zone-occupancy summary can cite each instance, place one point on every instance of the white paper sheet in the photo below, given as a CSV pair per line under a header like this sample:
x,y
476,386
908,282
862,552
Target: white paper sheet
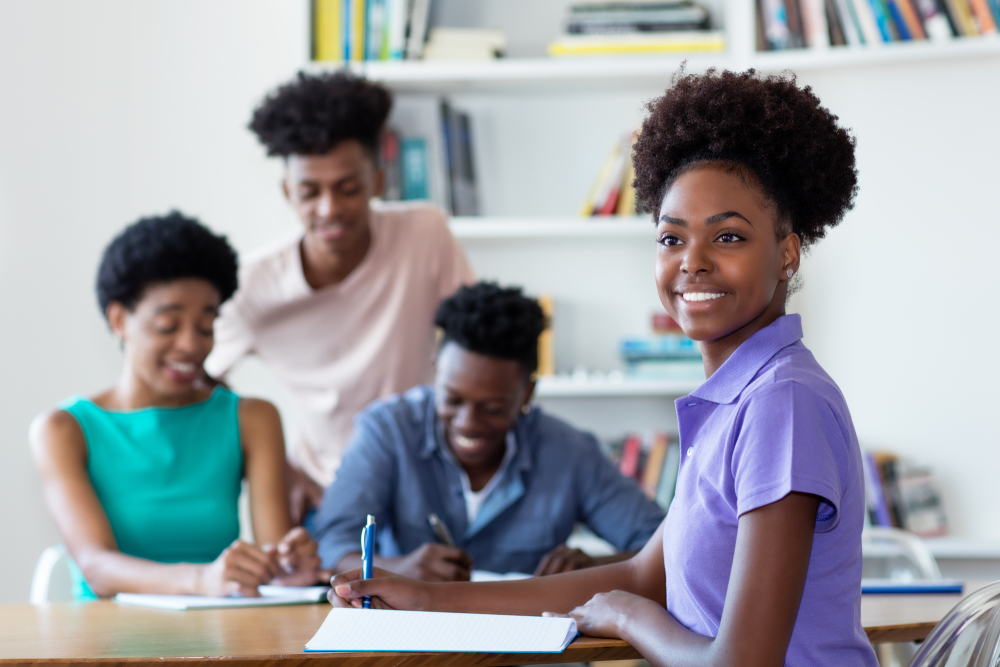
x,y
427,631
486,575
270,596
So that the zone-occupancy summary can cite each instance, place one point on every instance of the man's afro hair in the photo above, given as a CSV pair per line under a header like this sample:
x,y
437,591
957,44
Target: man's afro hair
x,y
769,128
313,113
493,321
161,249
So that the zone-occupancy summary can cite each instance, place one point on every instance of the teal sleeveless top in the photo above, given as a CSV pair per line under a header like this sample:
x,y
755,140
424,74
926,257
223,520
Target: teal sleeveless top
x,y
169,479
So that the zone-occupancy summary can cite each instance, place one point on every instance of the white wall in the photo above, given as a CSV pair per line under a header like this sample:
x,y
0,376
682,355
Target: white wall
x,y
111,109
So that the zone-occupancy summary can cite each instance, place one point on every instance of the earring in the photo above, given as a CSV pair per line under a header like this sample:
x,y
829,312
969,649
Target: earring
x,y
526,408
789,273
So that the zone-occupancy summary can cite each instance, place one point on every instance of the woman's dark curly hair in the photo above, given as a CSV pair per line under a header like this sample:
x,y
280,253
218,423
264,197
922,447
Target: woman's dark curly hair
x,y
767,128
313,113
494,321
161,249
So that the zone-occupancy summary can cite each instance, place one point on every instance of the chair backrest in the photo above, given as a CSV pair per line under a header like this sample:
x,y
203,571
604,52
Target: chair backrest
x,y
969,636
902,555
52,581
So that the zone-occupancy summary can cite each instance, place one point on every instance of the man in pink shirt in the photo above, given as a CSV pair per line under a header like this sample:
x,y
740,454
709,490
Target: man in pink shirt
x,y
342,311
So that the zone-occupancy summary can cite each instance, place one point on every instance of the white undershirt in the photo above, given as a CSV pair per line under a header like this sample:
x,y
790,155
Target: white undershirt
x,y
474,499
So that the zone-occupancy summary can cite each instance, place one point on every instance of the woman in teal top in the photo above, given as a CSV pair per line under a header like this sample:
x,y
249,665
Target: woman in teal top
x,y
143,479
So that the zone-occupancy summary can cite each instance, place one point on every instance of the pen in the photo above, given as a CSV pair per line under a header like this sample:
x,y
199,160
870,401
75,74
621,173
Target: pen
x,y
367,555
440,529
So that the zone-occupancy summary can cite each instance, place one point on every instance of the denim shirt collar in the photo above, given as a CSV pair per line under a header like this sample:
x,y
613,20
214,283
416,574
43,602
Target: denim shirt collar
x,y
729,381
512,485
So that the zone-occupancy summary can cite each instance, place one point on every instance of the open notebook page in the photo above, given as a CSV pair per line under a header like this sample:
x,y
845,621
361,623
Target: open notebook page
x,y
429,631
270,596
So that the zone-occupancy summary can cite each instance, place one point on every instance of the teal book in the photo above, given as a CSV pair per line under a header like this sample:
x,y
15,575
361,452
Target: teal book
x,y
413,158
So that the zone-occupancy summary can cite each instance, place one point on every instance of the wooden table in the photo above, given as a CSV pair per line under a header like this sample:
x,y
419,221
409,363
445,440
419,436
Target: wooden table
x,y
107,633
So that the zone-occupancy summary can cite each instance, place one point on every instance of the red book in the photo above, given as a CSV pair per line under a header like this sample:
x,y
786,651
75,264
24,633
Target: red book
x,y
631,451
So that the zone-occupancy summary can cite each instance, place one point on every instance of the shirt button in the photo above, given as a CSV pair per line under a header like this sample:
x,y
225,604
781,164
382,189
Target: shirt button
x,y
690,451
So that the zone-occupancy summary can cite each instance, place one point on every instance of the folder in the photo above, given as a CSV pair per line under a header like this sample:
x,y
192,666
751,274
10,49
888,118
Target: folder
x,y
925,587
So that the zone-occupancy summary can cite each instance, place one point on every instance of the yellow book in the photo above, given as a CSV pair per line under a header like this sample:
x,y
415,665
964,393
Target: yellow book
x,y
587,209
643,43
327,18
357,38
546,343
626,200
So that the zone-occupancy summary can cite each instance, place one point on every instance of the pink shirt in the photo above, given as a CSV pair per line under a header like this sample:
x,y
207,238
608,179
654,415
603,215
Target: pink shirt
x,y
338,348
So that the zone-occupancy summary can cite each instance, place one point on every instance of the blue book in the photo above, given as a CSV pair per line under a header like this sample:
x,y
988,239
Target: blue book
x,y
925,587
883,21
413,162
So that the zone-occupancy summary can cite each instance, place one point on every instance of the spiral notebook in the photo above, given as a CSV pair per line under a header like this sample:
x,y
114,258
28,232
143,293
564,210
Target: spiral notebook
x,y
440,632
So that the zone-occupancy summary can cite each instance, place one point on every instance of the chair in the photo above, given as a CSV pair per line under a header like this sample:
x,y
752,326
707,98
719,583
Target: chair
x,y
897,554
51,581
969,636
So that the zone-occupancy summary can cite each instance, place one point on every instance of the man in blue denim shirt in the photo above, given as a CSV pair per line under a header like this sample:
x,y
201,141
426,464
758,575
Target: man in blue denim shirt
x,y
510,482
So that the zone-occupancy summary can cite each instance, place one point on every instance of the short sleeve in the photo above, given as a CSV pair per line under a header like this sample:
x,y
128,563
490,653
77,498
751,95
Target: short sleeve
x,y
233,340
789,440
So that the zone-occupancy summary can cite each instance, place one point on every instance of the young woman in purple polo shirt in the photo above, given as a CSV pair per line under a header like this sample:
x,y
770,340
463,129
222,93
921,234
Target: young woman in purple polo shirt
x,y
759,559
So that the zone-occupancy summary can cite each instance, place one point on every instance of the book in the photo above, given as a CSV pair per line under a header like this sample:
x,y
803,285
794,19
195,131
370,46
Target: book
x,y
776,24
935,20
796,29
816,31
374,19
328,38
396,25
626,199
961,15
849,22
911,17
884,21
878,507
389,156
546,341
837,37
668,478
631,452
638,43
413,168
603,176
653,470
417,33
918,587
385,630
920,508
983,16
866,19
270,596
355,43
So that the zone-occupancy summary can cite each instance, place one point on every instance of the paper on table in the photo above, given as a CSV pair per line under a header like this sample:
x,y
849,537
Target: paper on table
x,y
270,596
430,631
486,575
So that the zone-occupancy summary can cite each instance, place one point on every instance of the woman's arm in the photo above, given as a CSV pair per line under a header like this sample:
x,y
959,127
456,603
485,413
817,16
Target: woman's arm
x,y
773,547
60,452
641,575
264,467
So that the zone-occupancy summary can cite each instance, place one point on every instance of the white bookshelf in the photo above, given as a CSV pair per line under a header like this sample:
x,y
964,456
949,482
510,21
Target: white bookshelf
x,y
552,227
566,386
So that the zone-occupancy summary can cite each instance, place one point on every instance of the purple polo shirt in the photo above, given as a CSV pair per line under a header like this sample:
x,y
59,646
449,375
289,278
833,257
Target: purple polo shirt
x,y
768,422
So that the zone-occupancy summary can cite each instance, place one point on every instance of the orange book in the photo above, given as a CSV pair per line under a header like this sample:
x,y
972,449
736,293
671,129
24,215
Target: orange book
x,y
912,19
546,343
654,465
983,16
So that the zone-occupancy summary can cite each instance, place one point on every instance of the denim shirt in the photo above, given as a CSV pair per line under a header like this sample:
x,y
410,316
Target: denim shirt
x,y
397,468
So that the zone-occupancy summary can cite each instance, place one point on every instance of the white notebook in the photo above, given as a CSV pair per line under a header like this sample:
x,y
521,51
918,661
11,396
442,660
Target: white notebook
x,y
269,596
431,631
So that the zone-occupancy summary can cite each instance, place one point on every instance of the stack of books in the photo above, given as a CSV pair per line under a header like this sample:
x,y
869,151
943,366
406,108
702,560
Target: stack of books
x,y
903,495
441,152
819,24
665,356
637,27
652,460
369,29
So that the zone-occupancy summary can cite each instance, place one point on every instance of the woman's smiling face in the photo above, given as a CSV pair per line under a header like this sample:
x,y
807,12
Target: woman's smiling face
x,y
721,270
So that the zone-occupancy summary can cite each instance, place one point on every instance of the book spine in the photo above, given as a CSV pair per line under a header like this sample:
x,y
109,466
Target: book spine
x,y
631,451
546,340
962,17
793,12
848,20
654,465
837,37
626,200
591,202
668,480
815,28
449,153
389,150
357,39
414,166
866,19
776,24
373,29
328,32
418,29
883,21
983,16
881,508
896,15
914,21
397,29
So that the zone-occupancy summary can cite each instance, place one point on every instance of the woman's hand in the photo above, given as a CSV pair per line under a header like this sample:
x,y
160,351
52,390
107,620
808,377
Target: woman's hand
x,y
297,558
387,591
563,559
238,570
606,614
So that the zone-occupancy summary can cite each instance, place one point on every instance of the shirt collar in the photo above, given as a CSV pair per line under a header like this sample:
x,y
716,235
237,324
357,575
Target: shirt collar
x,y
729,381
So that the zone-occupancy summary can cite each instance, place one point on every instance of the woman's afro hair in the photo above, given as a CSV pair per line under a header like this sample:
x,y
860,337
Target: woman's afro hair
x,y
493,321
315,112
161,249
768,128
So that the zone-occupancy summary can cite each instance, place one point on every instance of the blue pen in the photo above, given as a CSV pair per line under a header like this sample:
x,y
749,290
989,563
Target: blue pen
x,y
367,555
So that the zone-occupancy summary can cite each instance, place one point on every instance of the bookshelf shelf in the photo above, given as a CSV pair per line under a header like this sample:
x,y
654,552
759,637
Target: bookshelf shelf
x,y
617,73
540,228
562,386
